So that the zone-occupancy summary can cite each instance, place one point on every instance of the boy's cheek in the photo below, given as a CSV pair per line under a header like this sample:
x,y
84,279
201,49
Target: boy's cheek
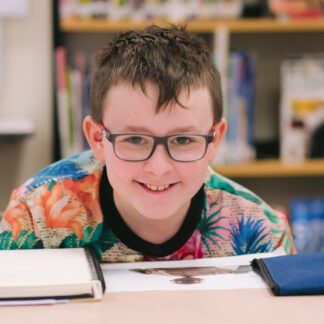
x,y
196,173
119,170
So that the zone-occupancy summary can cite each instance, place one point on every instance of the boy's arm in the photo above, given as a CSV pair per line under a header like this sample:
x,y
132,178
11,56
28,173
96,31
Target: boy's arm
x,y
17,229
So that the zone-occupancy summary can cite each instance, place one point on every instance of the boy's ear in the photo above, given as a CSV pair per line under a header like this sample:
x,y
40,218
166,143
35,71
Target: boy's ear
x,y
93,133
221,128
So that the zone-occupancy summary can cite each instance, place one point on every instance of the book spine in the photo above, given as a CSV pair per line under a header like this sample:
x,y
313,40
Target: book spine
x,y
94,266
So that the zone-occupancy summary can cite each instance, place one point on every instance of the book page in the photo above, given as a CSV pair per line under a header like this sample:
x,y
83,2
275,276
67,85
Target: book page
x,y
43,267
201,274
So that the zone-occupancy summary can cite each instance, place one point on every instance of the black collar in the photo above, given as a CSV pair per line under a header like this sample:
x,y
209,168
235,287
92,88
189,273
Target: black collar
x,y
114,221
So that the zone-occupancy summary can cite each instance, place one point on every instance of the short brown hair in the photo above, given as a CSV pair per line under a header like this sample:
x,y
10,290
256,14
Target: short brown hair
x,y
169,57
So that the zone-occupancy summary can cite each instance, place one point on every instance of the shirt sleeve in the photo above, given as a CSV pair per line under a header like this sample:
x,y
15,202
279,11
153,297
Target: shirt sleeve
x,y
17,229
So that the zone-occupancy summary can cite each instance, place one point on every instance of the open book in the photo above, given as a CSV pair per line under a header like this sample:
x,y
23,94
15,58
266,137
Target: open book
x,y
50,273
233,272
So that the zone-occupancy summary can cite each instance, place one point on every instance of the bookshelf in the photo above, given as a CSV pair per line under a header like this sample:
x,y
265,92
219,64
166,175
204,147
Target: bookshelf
x,y
239,28
271,39
262,25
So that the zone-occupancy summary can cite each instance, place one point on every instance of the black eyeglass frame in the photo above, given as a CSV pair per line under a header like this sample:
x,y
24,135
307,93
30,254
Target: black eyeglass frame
x,y
157,140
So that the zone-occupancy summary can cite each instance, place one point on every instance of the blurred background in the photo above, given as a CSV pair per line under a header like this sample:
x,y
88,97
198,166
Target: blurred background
x,y
271,58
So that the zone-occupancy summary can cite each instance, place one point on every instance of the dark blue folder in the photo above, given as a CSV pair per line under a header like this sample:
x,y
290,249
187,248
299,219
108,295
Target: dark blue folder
x,y
301,274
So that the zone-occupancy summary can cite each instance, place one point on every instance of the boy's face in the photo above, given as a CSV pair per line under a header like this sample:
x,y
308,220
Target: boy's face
x,y
129,110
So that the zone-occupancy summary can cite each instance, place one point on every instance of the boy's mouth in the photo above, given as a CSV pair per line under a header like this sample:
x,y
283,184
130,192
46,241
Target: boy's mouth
x,y
156,188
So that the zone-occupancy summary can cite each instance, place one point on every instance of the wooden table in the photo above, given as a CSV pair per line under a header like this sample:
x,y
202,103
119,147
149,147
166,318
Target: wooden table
x,y
198,307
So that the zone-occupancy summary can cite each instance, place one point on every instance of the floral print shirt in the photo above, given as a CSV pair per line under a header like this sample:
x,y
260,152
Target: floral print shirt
x,y
60,207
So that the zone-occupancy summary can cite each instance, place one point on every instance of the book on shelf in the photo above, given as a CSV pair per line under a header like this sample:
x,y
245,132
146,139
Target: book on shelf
x,y
83,91
296,9
307,224
72,91
50,273
77,81
302,108
62,100
172,10
238,144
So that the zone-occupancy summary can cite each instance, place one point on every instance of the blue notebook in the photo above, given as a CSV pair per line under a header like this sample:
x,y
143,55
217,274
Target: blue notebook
x,y
301,274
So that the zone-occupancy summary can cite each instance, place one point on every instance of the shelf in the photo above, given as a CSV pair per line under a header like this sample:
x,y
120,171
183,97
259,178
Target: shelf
x,y
273,168
261,25
12,127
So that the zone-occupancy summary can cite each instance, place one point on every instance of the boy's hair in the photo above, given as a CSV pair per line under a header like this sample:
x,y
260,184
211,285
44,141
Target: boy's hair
x,y
169,57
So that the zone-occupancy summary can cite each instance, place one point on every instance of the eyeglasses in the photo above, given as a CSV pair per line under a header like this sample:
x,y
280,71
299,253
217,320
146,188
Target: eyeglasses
x,y
140,147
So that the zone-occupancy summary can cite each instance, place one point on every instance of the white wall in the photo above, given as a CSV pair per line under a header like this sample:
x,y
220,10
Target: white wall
x,y
26,93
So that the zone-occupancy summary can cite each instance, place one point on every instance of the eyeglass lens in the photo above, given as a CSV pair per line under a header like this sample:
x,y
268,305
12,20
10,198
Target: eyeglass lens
x,y
180,147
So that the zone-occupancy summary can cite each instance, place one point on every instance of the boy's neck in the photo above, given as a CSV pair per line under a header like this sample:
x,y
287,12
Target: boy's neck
x,y
151,230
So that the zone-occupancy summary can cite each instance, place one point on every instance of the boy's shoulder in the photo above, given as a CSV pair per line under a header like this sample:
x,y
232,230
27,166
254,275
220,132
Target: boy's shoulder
x,y
221,190
242,217
74,168
215,181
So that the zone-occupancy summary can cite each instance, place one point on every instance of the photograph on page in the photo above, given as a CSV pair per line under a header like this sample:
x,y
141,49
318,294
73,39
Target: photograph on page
x,y
201,274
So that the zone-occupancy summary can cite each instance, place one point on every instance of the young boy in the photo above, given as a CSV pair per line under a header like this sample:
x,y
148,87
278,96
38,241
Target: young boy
x,y
144,191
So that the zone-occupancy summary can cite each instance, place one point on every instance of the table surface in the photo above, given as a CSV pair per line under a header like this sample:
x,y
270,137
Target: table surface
x,y
198,307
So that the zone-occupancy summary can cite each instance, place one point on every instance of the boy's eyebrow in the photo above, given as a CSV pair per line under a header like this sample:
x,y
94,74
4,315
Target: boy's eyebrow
x,y
178,130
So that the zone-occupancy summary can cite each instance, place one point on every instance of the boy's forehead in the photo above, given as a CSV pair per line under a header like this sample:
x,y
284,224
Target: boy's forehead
x,y
130,109
131,94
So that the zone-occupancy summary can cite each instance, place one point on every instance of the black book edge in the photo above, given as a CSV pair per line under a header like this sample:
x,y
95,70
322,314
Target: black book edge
x,y
262,270
47,297
94,264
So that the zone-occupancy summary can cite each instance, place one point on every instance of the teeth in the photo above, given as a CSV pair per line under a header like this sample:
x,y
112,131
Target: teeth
x,y
156,188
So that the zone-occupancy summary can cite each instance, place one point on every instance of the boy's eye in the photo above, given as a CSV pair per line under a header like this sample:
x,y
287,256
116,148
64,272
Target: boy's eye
x,y
182,140
135,140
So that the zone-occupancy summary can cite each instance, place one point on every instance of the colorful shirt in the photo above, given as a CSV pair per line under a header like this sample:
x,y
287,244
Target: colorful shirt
x,y
70,204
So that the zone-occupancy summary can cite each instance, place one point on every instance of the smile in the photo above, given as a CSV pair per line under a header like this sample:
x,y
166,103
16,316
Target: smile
x,y
156,188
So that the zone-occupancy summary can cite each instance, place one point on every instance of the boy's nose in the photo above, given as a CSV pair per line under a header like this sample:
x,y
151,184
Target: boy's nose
x,y
160,162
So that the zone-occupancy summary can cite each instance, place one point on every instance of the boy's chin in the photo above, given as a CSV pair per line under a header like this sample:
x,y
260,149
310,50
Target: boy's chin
x,y
158,217
158,213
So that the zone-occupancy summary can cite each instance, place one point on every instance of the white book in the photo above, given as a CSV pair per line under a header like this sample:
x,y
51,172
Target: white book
x,y
50,273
